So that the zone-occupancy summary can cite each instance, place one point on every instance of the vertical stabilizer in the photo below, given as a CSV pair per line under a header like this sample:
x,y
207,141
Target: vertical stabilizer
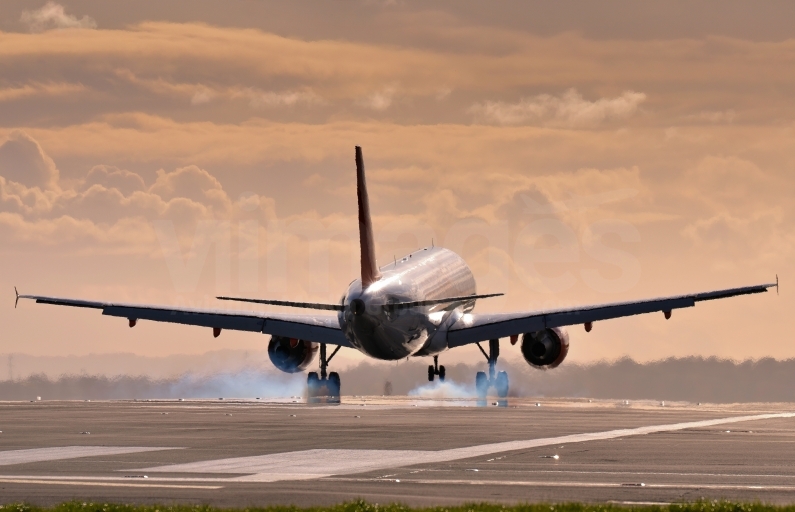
x,y
366,243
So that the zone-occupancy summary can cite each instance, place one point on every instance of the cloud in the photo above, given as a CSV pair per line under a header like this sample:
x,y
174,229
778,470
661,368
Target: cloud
x,y
109,210
259,99
200,93
203,63
23,160
122,180
569,110
731,183
53,16
313,180
379,100
201,96
39,89
720,116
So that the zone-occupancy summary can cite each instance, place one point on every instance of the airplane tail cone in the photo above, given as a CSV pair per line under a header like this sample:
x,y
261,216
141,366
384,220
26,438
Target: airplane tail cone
x,y
370,272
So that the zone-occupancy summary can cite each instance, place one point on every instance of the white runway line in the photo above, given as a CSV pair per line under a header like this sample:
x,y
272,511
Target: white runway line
x,y
127,479
318,463
102,484
10,457
653,473
537,484
488,449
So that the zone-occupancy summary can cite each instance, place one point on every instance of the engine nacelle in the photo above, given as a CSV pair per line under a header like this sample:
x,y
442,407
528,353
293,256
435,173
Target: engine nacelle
x,y
291,355
545,349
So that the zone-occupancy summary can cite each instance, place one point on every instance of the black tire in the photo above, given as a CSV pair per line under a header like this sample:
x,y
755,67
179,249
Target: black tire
x,y
441,373
431,373
334,386
312,385
481,384
502,384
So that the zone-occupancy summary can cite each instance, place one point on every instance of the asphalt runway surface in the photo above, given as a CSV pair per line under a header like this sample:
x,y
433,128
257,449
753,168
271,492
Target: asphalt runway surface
x,y
396,449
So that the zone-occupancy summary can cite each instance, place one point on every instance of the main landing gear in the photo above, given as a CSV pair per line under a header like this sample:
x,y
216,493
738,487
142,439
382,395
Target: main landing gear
x,y
325,387
500,382
435,369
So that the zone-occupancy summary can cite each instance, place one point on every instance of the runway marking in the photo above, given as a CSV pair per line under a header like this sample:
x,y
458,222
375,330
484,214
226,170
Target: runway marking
x,y
114,482
319,463
127,479
102,484
623,485
655,473
10,457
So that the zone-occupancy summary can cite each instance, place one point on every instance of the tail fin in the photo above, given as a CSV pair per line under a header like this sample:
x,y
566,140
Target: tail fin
x,y
370,272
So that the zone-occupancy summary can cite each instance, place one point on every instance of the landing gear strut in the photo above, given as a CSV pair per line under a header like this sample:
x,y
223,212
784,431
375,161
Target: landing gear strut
x,y
324,385
435,369
499,380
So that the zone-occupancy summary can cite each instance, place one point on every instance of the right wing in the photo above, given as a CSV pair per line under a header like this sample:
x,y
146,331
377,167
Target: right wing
x,y
473,328
317,328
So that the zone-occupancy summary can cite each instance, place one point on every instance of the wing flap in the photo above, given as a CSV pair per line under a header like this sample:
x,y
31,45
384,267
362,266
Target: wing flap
x,y
233,322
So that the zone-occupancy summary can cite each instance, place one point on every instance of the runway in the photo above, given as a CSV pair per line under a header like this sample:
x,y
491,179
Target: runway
x,y
415,451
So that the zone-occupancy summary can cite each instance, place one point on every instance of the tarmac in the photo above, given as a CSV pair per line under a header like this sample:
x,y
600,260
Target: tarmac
x,y
242,452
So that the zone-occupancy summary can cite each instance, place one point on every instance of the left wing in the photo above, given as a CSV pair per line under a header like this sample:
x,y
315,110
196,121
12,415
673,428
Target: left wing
x,y
318,328
473,328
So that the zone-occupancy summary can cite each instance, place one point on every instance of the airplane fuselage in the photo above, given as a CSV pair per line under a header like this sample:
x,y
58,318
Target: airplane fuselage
x,y
392,333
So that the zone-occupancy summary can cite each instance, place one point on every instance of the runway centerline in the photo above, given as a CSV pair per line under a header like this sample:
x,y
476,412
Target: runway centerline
x,y
10,457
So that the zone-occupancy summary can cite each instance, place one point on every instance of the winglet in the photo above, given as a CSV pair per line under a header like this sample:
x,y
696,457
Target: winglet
x,y
17,299
370,272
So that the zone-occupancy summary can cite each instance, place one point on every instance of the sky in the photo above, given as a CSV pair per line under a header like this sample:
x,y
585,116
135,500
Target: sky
x,y
571,152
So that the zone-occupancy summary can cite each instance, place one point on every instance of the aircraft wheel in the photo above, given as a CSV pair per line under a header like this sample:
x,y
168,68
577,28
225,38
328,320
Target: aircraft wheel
x,y
312,385
431,373
334,386
441,373
482,384
502,384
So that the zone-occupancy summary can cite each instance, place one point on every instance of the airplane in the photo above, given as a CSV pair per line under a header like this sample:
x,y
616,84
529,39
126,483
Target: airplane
x,y
420,305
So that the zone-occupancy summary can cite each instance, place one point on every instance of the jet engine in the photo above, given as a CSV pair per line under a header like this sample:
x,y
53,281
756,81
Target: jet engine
x,y
545,349
291,355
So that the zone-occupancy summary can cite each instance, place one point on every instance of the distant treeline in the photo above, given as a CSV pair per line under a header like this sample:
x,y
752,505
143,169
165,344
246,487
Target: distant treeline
x,y
692,379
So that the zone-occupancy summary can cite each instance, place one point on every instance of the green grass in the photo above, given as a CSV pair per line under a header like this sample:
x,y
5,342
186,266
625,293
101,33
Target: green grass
x,y
363,506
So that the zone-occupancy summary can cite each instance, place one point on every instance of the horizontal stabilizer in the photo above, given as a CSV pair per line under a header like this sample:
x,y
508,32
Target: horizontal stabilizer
x,y
433,302
304,305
